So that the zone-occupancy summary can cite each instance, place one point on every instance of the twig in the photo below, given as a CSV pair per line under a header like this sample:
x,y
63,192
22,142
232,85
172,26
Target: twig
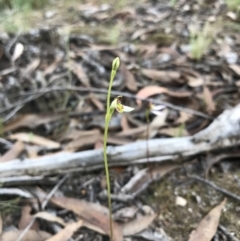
x,y
35,95
226,192
226,232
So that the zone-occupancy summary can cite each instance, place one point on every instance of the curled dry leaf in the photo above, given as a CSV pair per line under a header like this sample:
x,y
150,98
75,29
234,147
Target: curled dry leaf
x,y
29,236
35,139
67,232
137,225
207,228
91,213
13,153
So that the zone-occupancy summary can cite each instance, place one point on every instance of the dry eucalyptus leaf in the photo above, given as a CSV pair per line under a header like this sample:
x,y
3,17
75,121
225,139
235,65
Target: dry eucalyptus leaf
x,y
32,121
13,153
67,232
35,139
130,80
26,218
207,228
137,225
29,236
49,217
90,212
235,68
160,75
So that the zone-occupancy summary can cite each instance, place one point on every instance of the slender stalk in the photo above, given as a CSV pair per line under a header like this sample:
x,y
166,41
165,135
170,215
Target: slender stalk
x,y
108,178
109,112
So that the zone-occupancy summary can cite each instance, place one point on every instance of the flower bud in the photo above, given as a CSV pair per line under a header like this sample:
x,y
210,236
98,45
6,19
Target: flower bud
x,y
115,64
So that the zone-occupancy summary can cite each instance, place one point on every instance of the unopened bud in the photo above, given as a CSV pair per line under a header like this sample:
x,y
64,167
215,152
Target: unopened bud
x,y
115,64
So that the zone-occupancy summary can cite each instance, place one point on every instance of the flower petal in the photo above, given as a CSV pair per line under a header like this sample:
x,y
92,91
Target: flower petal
x,y
127,108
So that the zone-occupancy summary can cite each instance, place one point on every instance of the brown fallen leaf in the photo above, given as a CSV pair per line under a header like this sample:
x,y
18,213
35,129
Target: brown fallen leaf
x,y
208,97
154,90
137,225
13,153
82,142
165,77
130,80
49,217
78,70
35,139
90,212
50,69
26,218
235,68
32,121
96,102
29,236
67,232
207,228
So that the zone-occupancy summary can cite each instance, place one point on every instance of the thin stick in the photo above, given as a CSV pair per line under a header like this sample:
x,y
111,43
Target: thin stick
x,y
226,192
104,91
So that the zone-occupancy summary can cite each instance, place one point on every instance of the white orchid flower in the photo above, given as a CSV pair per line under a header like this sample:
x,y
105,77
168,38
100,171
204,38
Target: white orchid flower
x,y
157,109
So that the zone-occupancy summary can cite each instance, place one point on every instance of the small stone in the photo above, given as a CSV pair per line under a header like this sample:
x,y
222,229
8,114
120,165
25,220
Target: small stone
x,y
180,201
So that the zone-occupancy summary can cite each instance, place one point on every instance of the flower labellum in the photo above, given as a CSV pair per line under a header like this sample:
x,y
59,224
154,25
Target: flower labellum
x,y
157,109
117,104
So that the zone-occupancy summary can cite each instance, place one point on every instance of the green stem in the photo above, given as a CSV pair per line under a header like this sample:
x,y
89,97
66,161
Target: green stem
x,y
109,112
107,176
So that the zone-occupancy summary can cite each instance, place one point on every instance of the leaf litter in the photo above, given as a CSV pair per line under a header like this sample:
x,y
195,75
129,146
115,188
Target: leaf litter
x,y
168,62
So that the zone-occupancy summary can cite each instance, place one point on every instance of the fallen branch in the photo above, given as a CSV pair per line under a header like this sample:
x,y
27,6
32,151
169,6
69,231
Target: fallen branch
x,y
224,132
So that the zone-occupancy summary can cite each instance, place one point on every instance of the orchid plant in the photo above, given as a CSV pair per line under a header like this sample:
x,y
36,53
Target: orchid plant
x,y
115,105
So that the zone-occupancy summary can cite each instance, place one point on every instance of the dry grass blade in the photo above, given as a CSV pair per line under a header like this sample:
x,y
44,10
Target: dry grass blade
x,y
207,228
29,236
137,225
67,232
13,153
92,213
